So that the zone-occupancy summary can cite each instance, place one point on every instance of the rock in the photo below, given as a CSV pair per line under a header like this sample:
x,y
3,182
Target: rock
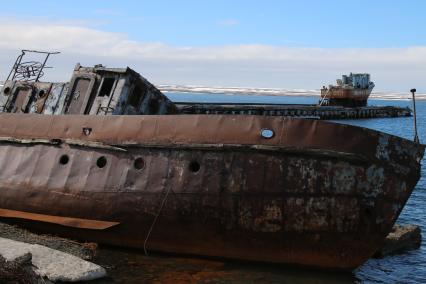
x,y
401,239
50,263
19,271
85,251
59,266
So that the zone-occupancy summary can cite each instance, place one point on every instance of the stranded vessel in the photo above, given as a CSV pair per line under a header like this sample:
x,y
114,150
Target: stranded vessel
x,y
108,158
352,90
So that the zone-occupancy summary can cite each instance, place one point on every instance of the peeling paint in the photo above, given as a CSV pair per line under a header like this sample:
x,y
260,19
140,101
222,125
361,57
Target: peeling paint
x,y
382,147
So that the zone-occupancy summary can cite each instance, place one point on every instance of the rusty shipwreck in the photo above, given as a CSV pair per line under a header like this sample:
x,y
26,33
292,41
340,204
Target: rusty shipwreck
x,y
108,158
352,90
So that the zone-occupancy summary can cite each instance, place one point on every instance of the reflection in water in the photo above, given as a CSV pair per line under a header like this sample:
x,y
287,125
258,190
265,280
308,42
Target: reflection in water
x,y
130,266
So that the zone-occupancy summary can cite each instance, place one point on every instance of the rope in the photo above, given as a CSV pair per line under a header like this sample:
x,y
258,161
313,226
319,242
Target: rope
x,y
155,221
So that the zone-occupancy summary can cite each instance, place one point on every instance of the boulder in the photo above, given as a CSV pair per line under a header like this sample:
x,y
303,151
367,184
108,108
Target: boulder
x,y
50,263
19,271
401,239
85,251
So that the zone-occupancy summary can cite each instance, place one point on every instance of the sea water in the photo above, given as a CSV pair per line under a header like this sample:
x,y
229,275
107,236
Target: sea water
x,y
409,267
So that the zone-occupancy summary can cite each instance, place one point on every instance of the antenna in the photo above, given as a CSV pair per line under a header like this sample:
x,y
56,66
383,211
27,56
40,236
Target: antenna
x,y
416,137
29,71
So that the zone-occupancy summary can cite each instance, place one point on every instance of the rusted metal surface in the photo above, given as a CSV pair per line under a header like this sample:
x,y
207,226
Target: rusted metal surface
x,y
264,188
294,110
64,221
342,93
348,97
34,97
29,70
312,193
91,90
121,91
55,100
80,90
102,91
350,91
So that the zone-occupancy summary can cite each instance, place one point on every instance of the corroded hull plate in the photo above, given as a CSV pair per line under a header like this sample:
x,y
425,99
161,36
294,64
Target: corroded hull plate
x,y
216,185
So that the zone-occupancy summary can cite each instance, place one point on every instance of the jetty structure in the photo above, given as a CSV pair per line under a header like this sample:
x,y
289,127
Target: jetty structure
x,y
295,110
346,100
108,158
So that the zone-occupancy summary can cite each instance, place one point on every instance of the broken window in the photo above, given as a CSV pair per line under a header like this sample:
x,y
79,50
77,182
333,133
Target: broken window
x,y
154,106
106,88
135,97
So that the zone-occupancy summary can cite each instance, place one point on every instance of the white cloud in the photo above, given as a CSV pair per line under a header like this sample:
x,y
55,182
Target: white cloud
x,y
253,65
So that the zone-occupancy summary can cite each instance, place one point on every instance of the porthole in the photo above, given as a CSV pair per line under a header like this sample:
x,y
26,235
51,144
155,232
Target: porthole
x,y
139,163
6,91
64,159
101,162
87,131
194,166
267,133
41,93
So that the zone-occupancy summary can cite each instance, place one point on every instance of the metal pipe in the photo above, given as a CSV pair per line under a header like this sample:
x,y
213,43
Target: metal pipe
x,y
416,137
37,51
15,65
42,66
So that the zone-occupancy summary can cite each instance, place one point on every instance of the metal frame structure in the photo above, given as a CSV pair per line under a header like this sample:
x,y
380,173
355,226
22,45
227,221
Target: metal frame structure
x,y
30,71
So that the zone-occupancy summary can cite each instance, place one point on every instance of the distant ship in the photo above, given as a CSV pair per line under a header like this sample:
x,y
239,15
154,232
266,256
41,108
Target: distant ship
x,y
350,91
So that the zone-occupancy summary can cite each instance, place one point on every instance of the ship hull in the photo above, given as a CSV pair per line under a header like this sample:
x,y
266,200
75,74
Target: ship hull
x,y
209,185
348,97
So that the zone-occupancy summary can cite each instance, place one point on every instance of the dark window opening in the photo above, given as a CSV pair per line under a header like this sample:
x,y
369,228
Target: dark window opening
x,y
194,166
64,159
154,106
106,88
135,97
101,162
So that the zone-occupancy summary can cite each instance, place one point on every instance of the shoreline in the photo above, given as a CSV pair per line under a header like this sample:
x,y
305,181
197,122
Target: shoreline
x,y
232,91
133,266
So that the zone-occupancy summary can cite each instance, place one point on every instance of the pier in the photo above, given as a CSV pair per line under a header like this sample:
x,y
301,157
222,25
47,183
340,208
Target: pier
x,y
294,110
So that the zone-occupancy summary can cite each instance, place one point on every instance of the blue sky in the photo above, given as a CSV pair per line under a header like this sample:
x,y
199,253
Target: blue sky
x,y
173,40
296,23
